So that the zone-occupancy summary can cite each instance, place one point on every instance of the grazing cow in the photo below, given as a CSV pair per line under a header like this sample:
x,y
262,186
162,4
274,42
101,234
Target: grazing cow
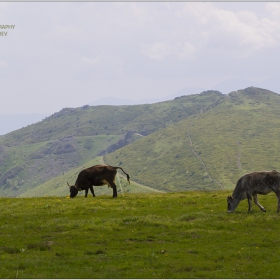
x,y
97,175
252,184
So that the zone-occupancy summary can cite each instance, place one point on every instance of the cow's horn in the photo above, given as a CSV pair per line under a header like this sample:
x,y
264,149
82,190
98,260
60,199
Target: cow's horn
x,y
68,185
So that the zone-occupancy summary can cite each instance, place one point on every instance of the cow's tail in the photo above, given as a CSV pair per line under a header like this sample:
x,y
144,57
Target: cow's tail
x,y
127,176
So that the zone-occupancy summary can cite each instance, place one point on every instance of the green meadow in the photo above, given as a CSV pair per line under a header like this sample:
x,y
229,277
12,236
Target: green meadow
x,y
158,235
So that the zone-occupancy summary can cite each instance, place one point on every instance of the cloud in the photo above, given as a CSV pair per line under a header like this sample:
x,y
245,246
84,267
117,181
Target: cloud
x,y
273,8
240,33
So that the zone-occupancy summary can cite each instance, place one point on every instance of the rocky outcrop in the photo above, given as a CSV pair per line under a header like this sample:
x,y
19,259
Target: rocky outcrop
x,y
129,137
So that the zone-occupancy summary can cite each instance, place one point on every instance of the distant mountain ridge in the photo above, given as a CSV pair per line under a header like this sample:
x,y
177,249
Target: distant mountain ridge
x,y
9,123
117,101
229,85
224,87
13,122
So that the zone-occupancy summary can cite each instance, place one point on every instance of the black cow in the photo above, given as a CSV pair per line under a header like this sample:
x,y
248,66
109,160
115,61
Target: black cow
x,y
252,184
97,175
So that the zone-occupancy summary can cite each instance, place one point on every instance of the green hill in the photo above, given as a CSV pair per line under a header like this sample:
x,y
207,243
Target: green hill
x,y
69,139
212,149
195,142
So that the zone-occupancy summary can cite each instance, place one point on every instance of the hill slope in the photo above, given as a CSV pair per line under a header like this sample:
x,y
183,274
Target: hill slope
x,y
36,154
196,142
211,150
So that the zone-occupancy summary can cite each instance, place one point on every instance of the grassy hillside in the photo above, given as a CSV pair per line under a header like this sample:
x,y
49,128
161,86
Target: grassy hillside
x,y
198,142
241,135
109,120
71,138
211,150
174,235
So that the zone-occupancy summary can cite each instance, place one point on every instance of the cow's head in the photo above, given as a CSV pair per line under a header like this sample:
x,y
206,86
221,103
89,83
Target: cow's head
x,y
73,190
232,203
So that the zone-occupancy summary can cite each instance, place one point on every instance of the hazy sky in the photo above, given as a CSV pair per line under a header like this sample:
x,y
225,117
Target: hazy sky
x,y
68,54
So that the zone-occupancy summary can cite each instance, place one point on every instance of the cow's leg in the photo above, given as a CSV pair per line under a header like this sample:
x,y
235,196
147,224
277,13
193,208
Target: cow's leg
x,y
92,190
115,194
114,187
255,196
86,191
112,184
278,197
249,197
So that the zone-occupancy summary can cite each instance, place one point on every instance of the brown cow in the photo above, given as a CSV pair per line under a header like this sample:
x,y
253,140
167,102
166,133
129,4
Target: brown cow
x,y
252,184
97,175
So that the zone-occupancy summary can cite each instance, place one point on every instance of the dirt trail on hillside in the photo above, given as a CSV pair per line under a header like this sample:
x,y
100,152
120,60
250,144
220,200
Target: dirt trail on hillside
x,y
239,156
198,156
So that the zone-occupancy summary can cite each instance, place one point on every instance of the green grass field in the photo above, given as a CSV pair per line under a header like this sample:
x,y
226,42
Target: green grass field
x,y
171,235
